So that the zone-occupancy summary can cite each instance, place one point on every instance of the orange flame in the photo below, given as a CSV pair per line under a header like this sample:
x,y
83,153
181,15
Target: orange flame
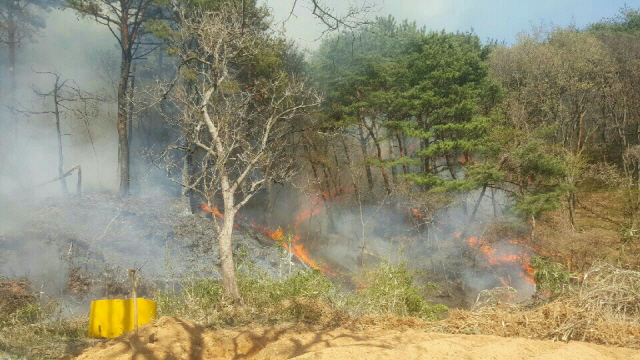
x,y
276,235
216,213
521,259
297,248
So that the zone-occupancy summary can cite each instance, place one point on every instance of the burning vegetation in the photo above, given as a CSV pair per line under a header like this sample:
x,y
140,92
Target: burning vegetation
x,y
257,184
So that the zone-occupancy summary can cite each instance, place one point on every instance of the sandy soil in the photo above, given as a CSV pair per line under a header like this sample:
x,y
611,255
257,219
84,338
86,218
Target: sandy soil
x,y
172,338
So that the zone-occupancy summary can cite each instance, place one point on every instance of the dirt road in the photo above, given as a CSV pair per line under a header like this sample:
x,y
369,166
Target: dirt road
x,y
172,338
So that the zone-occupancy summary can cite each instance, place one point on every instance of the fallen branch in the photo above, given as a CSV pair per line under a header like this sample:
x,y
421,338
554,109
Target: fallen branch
x,y
69,172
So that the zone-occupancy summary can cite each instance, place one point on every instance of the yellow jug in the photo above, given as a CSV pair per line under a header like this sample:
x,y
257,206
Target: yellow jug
x,y
112,318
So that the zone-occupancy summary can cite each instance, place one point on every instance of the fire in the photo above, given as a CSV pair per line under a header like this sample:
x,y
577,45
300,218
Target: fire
x,y
520,259
216,213
296,247
417,213
276,235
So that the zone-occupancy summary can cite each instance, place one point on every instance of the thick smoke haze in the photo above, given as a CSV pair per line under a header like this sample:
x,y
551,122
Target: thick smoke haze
x,y
29,146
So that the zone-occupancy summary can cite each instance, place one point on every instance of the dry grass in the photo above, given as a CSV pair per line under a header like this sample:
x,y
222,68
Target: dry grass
x,y
33,328
603,309
598,235
45,340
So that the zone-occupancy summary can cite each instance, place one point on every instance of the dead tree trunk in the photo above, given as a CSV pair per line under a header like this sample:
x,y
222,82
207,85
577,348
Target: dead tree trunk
x,y
131,96
56,110
356,190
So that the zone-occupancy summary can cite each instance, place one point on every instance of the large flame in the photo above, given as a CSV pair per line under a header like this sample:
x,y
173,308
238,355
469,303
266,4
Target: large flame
x,y
295,247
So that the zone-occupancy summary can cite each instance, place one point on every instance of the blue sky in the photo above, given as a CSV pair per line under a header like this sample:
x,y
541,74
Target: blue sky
x,y
490,19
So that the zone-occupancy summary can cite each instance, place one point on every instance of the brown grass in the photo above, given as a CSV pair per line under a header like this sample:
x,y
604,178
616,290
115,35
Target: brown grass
x,y
597,236
603,309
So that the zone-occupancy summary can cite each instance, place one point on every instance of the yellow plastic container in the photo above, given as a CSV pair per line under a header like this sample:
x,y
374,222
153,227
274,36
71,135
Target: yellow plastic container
x,y
112,318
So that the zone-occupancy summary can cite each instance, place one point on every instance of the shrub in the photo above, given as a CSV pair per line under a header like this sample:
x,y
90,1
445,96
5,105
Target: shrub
x,y
304,296
390,289
550,276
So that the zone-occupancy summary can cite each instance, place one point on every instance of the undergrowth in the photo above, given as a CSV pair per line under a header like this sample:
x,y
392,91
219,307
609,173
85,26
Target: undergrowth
x,y
550,277
305,296
390,289
38,331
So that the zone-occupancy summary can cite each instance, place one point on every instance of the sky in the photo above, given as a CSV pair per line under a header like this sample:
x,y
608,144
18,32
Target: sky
x,y
499,20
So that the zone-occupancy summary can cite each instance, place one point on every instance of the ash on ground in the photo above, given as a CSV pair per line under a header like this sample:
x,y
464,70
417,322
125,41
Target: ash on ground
x,y
84,246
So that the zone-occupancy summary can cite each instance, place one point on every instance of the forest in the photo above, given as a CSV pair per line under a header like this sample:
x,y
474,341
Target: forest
x,y
394,169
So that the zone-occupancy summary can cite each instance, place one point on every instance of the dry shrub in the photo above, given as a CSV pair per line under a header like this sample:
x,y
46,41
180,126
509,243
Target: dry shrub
x,y
611,291
604,309
494,297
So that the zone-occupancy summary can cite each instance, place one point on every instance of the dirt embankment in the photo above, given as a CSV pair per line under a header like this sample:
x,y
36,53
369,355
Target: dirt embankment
x,y
173,338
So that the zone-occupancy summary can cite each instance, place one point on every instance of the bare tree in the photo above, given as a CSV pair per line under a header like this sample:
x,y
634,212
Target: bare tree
x,y
355,15
240,126
67,100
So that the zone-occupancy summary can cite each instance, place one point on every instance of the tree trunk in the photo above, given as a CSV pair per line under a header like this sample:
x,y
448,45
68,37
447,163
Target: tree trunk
x,y
12,44
353,181
385,178
229,278
63,180
580,130
123,139
402,149
477,206
363,148
392,155
130,113
187,193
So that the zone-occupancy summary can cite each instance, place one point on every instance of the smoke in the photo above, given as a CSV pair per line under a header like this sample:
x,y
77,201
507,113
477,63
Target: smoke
x,y
348,237
343,234
39,227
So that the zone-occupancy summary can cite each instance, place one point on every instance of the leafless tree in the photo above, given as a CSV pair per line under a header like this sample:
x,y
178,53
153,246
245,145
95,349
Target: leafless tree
x,y
355,15
65,99
241,128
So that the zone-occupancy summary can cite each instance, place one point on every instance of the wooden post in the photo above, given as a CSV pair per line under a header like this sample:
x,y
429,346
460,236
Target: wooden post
x,y
132,275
